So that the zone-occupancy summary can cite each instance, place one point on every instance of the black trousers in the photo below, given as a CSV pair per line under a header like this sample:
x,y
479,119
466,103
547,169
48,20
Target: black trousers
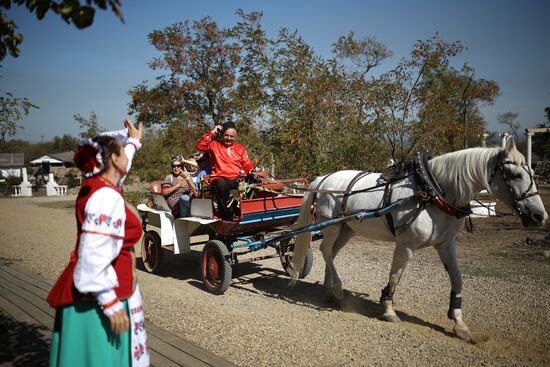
x,y
222,187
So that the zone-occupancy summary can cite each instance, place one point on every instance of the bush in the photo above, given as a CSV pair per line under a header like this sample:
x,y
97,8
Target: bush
x,y
71,179
135,197
153,160
6,187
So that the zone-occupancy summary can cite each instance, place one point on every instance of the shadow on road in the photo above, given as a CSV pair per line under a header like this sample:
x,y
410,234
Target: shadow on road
x,y
23,344
270,283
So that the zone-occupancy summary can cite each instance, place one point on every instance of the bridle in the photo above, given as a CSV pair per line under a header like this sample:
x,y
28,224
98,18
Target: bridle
x,y
526,194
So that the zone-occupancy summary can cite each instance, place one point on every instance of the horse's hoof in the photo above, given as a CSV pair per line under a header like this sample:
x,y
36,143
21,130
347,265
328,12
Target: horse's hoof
x,y
463,334
391,317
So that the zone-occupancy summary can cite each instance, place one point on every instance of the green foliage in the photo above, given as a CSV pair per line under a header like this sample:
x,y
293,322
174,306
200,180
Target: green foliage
x,y
9,39
33,151
509,119
307,114
202,71
153,161
62,144
135,197
9,182
91,126
363,53
12,109
426,102
450,117
71,11
541,143
71,179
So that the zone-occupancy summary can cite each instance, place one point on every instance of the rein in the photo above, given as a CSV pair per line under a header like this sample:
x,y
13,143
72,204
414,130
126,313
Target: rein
x,y
492,210
429,189
351,192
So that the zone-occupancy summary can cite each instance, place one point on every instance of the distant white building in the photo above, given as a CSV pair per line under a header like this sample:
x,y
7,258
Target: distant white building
x,y
11,164
57,163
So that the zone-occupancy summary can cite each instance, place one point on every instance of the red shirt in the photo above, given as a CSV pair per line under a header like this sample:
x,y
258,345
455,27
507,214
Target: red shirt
x,y
227,162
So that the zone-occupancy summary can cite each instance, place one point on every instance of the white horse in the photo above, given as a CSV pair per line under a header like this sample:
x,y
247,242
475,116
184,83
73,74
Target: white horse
x,y
461,176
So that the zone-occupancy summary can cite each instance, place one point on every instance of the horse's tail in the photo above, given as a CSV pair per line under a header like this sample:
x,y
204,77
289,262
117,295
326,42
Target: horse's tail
x,y
303,239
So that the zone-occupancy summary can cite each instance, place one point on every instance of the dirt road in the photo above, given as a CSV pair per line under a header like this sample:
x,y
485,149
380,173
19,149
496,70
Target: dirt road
x,y
260,321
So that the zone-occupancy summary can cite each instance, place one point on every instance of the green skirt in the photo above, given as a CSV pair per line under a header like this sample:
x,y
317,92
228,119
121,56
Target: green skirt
x,y
82,336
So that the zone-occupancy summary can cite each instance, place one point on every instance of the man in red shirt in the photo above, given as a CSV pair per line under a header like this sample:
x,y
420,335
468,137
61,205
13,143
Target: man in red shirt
x,y
229,162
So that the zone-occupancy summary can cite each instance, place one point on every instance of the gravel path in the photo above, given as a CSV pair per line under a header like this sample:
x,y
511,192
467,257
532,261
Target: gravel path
x,y
260,321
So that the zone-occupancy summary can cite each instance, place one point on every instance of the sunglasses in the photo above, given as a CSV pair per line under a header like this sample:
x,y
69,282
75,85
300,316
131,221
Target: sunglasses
x,y
176,165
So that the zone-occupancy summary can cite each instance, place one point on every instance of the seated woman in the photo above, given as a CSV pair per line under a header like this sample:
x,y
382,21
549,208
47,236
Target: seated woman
x,y
178,188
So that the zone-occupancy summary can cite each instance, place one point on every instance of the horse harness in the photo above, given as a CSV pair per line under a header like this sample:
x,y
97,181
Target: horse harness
x,y
526,194
428,184
388,182
428,190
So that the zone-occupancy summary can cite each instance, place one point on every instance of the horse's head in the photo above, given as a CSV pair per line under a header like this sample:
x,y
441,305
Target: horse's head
x,y
512,182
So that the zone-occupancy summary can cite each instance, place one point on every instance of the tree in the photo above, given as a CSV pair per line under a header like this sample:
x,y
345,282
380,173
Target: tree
x,y
310,114
412,100
71,11
33,151
450,116
91,126
319,107
63,143
541,144
364,53
541,141
153,162
12,109
210,77
509,119
202,71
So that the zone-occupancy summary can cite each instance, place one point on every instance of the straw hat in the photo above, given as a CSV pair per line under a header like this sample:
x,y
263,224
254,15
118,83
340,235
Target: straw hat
x,y
190,162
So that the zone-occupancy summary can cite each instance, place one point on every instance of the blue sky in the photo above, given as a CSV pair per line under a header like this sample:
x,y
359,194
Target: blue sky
x,y
67,71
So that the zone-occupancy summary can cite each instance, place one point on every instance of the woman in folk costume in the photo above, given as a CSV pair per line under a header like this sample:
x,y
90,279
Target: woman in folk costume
x,y
99,316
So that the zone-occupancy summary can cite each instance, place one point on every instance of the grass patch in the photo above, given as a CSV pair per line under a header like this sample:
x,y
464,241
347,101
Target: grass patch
x,y
491,272
535,269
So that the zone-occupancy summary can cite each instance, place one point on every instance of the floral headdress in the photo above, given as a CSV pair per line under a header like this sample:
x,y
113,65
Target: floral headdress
x,y
88,157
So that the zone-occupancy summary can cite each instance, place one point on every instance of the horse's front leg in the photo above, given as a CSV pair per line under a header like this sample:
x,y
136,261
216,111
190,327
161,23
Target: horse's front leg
x,y
447,254
401,257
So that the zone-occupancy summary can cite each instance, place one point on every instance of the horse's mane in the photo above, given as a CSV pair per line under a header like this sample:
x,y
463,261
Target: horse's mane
x,y
462,174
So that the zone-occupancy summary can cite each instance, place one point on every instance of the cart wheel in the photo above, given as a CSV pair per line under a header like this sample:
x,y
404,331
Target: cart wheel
x,y
151,252
286,261
216,267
